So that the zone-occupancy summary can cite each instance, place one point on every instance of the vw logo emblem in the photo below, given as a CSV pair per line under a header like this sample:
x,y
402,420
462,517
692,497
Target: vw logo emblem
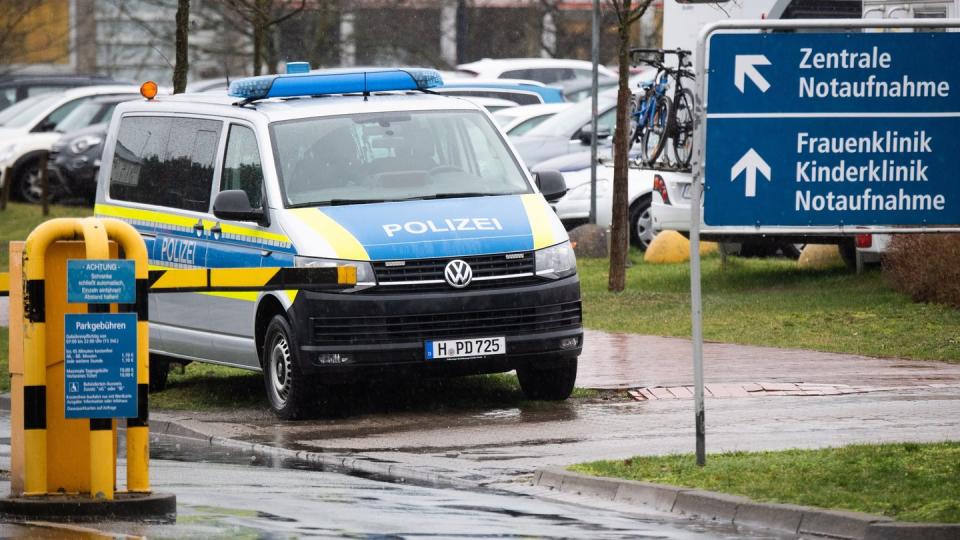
x,y
458,273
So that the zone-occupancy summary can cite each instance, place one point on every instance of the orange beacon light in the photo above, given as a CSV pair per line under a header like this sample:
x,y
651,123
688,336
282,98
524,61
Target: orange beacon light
x,y
148,89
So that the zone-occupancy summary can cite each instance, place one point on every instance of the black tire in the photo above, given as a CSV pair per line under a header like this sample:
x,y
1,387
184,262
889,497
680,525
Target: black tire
x,y
553,382
288,390
26,182
159,372
641,223
683,128
657,131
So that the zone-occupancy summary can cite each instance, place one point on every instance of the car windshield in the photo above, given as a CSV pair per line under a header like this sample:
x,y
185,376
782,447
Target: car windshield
x,y
393,156
22,113
86,114
566,122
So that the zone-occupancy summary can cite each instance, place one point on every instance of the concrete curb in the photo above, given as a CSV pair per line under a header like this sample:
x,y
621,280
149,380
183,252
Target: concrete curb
x,y
352,465
711,506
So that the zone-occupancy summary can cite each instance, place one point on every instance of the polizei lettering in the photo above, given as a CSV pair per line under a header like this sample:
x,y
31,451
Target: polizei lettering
x,y
445,225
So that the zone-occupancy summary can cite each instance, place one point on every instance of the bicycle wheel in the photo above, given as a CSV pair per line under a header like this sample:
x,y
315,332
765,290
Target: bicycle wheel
x,y
636,105
683,128
655,134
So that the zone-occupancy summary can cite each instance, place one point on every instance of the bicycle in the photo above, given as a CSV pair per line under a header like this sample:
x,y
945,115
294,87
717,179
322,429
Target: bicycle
x,y
656,116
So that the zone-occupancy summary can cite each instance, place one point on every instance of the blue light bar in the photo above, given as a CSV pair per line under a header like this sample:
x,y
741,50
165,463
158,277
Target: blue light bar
x,y
335,81
298,67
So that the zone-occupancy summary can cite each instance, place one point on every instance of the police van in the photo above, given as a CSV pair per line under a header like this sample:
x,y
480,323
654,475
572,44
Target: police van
x,y
462,268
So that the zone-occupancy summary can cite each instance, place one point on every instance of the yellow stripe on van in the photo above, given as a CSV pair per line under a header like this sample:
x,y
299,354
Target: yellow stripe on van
x,y
344,244
182,279
182,221
541,221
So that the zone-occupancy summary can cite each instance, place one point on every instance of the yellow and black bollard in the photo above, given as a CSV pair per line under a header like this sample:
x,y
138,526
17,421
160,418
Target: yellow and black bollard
x,y
62,466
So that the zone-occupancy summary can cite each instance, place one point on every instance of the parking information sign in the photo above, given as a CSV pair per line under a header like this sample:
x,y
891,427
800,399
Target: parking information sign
x,y
832,129
93,281
100,365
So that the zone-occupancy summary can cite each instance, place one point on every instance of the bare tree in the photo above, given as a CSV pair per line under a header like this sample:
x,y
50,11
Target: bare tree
x,y
261,18
182,66
628,12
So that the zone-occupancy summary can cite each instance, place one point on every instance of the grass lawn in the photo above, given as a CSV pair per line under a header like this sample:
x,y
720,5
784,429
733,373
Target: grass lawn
x,y
908,482
19,219
772,302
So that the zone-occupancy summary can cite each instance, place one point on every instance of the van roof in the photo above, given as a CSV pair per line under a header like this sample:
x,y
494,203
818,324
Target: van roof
x,y
280,109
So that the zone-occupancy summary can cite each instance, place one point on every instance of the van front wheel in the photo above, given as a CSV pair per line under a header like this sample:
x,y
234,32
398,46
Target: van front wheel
x,y
287,388
553,382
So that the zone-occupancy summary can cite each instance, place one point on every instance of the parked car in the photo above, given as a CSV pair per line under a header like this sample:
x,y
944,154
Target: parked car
x,y
519,91
16,88
519,120
492,105
29,129
74,159
573,209
418,197
568,131
580,89
218,84
545,70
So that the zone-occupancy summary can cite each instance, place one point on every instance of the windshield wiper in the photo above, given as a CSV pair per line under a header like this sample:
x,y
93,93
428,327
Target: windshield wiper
x,y
463,195
336,202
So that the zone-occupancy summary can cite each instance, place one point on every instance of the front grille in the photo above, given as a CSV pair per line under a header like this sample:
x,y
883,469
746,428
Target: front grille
x,y
488,271
385,329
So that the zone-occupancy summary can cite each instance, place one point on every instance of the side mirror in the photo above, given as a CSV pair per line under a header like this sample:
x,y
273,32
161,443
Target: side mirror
x,y
233,204
586,133
551,184
45,126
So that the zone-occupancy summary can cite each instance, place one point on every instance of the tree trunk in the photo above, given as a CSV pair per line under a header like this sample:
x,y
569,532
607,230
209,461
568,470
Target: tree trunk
x,y
259,34
183,61
620,233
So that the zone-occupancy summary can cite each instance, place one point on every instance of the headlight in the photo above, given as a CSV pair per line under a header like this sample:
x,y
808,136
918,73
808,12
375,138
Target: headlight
x,y
8,151
556,261
365,278
81,144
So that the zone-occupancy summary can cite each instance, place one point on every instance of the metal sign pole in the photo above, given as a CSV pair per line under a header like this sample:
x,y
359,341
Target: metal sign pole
x,y
696,300
594,103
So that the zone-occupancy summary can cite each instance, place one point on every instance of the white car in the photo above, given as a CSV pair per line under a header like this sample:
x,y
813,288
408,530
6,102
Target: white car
x,y
573,209
519,120
29,128
545,70
671,211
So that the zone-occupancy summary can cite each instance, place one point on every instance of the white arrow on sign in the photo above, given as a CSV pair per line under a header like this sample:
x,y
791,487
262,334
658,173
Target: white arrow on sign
x,y
745,65
751,162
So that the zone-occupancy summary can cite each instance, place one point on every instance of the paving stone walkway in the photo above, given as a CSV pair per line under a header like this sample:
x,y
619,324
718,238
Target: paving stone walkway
x,y
624,361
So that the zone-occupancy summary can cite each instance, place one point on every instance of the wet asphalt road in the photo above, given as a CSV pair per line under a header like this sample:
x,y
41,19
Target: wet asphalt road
x,y
228,494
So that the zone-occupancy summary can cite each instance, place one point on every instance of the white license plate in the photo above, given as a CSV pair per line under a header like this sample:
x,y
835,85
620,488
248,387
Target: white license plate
x,y
465,348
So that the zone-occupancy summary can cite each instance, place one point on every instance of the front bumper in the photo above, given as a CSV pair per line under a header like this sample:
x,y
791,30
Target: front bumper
x,y
386,333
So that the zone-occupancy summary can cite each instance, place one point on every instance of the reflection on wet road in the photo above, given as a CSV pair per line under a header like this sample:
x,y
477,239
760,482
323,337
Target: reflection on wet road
x,y
229,494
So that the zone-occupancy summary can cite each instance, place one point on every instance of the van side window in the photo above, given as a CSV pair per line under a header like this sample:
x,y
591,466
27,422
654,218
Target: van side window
x,y
165,161
241,165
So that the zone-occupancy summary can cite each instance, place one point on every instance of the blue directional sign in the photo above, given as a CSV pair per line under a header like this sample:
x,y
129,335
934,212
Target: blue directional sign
x,y
96,281
100,365
832,129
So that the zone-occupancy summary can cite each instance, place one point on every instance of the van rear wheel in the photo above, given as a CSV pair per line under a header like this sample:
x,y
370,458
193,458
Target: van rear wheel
x,y
288,390
552,382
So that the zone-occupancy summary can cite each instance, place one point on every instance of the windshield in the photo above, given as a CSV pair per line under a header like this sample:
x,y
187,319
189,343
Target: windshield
x,y
566,122
87,114
393,156
23,112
